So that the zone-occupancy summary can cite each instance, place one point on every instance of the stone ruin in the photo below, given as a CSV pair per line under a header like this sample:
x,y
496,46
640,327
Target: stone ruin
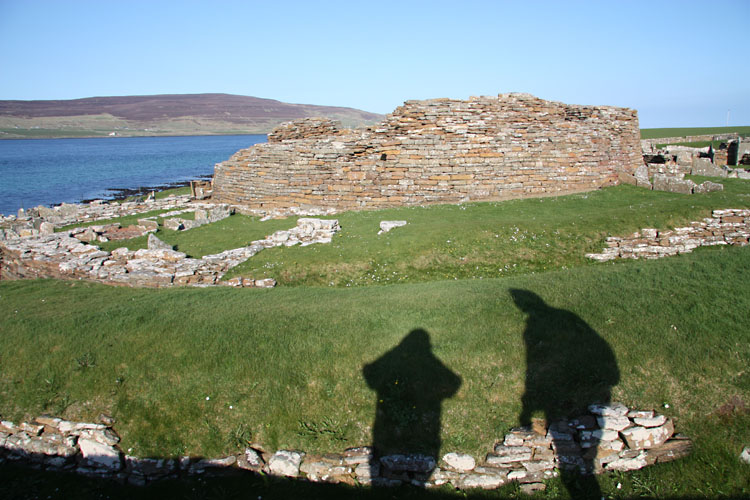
x,y
724,227
436,151
31,248
200,190
611,437
665,169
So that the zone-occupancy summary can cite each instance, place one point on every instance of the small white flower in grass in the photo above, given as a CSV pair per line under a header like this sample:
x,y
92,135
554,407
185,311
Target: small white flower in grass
x,y
207,398
231,407
666,405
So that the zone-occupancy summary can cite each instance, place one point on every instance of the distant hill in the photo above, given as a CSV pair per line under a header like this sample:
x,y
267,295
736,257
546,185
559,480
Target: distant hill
x,y
168,114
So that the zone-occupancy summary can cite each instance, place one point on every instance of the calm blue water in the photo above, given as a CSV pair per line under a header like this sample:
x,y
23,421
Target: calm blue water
x,y
52,171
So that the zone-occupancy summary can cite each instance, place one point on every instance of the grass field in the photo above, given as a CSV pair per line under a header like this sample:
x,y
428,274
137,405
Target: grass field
x,y
656,133
472,240
204,371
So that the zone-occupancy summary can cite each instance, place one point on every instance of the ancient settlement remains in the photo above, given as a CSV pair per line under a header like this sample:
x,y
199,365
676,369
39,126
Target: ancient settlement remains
x,y
437,151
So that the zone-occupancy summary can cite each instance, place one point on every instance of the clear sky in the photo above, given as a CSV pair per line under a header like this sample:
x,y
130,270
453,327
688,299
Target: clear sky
x,y
679,63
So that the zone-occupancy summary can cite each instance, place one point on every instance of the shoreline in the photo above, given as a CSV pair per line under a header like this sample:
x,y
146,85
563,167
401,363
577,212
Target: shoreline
x,y
135,169
50,138
119,194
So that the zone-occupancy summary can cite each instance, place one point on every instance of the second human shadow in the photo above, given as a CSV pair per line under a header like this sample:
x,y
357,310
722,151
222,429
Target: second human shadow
x,y
569,366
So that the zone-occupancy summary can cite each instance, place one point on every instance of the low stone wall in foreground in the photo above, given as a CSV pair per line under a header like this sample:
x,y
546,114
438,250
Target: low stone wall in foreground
x,y
610,437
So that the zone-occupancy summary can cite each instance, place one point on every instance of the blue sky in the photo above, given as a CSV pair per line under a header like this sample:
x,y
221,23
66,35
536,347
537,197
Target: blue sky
x,y
678,63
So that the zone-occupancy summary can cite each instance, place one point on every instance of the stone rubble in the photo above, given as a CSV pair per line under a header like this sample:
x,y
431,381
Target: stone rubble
x,y
387,225
29,222
725,227
669,165
527,456
62,255
203,216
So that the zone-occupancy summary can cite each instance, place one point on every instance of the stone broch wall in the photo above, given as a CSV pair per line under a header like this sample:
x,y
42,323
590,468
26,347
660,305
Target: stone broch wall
x,y
436,151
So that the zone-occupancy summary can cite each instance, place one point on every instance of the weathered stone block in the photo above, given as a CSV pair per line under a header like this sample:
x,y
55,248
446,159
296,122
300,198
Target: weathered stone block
x,y
609,410
628,461
408,463
460,462
483,481
285,463
652,421
639,438
100,455
708,187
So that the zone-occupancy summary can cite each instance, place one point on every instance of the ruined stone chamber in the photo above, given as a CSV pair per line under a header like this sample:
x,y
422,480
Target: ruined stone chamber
x,y
436,151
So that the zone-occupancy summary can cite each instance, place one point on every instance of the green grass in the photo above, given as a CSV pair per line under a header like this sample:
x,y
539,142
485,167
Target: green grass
x,y
656,133
290,360
482,240
699,144
172,192
124,221
232,232
472,240
161,194
284,367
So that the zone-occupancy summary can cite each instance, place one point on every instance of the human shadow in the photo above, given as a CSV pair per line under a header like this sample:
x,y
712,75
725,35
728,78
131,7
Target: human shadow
x,y
568,367
411,384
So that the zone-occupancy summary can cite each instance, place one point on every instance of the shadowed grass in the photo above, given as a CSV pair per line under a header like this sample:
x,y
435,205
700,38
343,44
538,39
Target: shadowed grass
x,y
182,369
200,371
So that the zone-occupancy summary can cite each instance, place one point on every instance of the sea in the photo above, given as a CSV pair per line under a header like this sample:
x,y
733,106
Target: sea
x,y
53,171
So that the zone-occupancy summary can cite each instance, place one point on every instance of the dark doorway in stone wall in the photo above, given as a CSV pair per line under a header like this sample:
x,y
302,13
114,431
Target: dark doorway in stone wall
x,y
569,366
411,384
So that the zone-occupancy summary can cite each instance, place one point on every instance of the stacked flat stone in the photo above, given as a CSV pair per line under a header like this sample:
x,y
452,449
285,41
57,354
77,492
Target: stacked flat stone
x,y
725,227
27,222
202,217
305,128
674,162
677,184
438,151
610,437
63,256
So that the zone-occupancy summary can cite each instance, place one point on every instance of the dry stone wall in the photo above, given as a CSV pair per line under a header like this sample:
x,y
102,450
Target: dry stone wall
x,y
436,151
610,437
64,256
724,227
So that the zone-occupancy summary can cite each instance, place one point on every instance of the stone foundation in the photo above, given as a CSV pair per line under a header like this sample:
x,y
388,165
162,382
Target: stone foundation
x,y
436,151
725,227
64,256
